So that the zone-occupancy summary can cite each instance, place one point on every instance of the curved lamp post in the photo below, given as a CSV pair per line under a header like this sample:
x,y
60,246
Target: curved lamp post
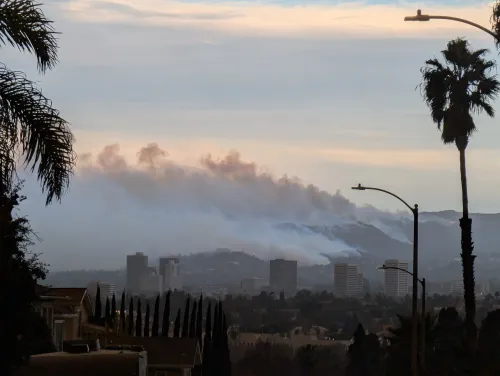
x,y
414,336
426,17
422,283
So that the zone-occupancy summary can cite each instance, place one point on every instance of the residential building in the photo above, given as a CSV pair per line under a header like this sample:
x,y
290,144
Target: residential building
x,y
170,356
67,311
95,363
137,269
169,268
283,276
396,281
347,280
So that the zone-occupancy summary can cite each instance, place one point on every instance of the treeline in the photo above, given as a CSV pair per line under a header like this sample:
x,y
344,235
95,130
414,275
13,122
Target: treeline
x,y
210,327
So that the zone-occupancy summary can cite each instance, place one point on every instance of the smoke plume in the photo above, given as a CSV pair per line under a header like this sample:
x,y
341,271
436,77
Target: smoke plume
x,y
161,207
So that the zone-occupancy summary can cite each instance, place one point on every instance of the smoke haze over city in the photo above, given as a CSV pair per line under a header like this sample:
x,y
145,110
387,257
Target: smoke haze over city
x,y
158,206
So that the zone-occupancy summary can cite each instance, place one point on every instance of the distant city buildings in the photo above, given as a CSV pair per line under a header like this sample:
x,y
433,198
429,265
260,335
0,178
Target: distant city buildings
x,y
283,276
107,289
143,279
251,285
170,273
347,280
396,281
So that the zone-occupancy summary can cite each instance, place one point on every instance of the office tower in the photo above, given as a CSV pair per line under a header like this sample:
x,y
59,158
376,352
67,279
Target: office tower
x,y
170,273
283,276
396,281
107,289
137,269
347,280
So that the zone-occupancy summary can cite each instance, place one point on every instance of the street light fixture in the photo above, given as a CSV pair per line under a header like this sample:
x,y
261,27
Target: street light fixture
x,y
422,283
414,211
426,17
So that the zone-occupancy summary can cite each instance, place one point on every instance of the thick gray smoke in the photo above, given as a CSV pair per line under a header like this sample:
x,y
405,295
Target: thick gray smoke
x,y
160,207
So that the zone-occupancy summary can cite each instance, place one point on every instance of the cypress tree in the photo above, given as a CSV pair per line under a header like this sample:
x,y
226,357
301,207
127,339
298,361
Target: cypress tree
x,y
130,316
138,321
122,312
199,323
165,324
146,320
113,309
185,321
98,307
156,318
207,343
177,324
226,356
107,312
215,368
192,322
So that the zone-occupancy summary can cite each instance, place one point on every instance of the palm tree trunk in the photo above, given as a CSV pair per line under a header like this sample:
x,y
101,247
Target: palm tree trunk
x,y
467,260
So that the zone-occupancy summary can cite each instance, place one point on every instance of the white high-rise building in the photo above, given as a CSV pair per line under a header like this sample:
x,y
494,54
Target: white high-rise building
x,y
107,289
396,281
347,280
170,272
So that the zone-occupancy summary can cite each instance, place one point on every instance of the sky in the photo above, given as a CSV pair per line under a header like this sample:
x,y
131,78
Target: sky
x,y
325,91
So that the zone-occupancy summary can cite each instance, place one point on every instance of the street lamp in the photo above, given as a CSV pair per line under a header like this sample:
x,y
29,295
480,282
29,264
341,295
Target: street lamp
x,y
414,339
425,17
422,282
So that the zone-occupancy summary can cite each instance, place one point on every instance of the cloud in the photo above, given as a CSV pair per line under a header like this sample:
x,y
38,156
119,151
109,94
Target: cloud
x,y
353,18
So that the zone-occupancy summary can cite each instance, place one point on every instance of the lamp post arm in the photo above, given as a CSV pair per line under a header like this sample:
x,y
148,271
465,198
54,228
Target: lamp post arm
x,y
393,195
421,281
494,35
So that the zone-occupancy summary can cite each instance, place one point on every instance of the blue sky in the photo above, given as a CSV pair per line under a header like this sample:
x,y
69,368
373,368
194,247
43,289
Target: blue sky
x,y
321,90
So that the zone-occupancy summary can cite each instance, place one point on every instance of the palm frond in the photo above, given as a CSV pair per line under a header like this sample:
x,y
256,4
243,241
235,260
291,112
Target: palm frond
x,y
24,25
45,139
435,88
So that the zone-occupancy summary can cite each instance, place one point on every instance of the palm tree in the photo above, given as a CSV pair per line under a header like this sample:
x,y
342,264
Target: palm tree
x,y
463,85
29,123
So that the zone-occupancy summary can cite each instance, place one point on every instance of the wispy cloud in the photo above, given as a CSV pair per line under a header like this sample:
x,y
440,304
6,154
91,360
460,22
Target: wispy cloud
x,y
353,18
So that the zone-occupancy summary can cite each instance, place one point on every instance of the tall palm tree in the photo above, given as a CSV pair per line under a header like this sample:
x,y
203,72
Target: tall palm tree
x,y
454,90
29,125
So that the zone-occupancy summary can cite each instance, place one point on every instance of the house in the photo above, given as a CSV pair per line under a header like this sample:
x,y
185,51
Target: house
x,y
95,363
170,356
67,312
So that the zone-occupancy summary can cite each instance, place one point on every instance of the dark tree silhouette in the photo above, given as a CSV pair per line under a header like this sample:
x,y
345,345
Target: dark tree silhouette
x,y
19,272
165,324
177,324
156,318
226,356
113,309
207,343
495,21
107,312
146,320
98,306
185,320
30,124
122,312
192,321
488,345
453,91
199,322
130,317
138,320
